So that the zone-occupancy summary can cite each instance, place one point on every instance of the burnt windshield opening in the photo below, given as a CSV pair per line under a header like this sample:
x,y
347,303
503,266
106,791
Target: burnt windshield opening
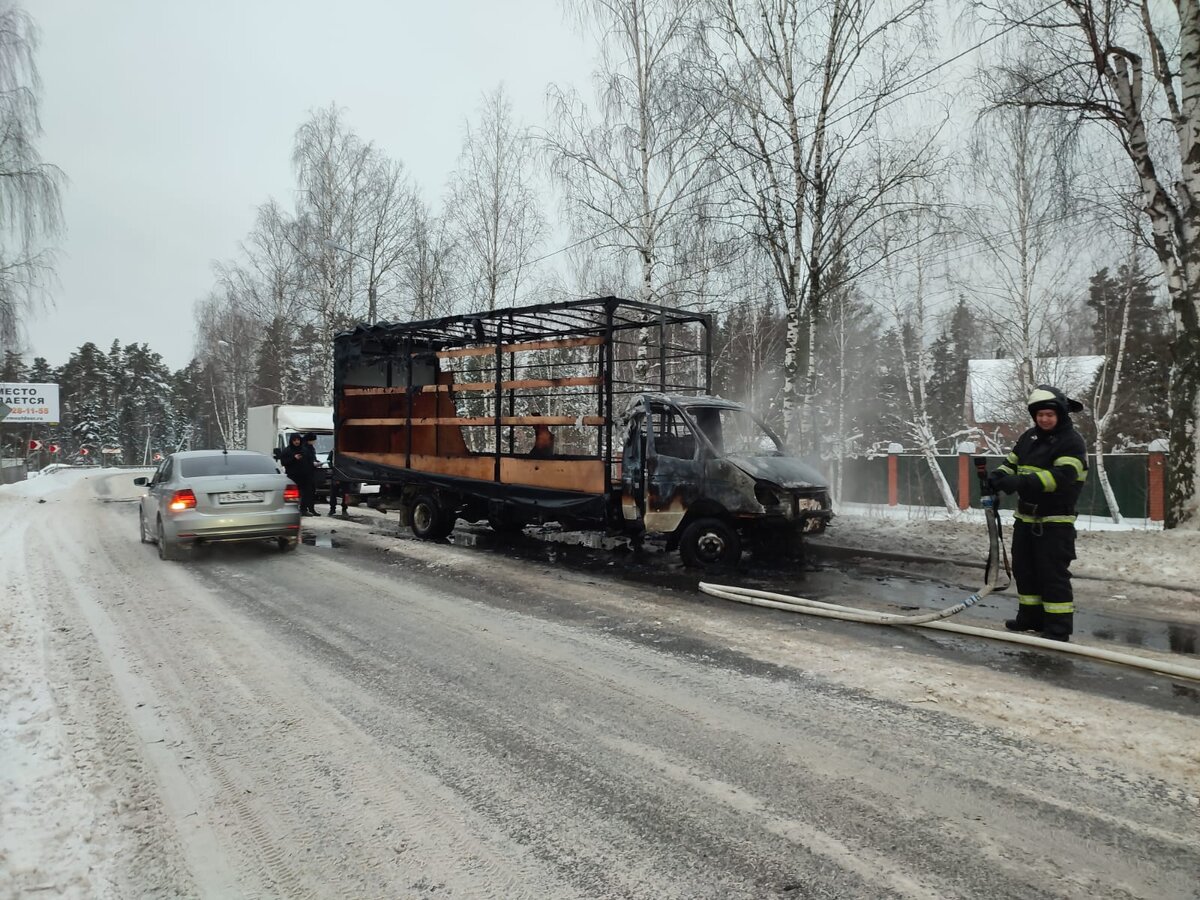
x,y
734,432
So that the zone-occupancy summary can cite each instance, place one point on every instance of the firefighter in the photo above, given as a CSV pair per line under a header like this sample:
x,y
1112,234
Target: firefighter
x,y
1046,469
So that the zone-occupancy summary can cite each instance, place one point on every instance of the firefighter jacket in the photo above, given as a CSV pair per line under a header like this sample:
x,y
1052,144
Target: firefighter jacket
x,y
1051,467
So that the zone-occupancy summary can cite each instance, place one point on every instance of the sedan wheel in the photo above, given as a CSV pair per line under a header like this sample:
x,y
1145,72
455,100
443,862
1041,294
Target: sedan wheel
x,y
166,550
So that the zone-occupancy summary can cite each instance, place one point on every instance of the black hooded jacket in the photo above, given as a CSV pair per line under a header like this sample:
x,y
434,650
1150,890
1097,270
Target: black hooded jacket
x,y
1051,465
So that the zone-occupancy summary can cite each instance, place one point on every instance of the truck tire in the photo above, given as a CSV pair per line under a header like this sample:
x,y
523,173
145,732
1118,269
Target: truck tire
x,y
430,520
709,543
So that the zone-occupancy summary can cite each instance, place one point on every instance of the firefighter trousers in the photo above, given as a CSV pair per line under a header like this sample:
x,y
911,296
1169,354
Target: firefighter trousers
x,y
1041,563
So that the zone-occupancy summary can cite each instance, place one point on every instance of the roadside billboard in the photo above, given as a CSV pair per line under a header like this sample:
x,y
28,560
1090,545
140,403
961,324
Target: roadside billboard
x,y
21,402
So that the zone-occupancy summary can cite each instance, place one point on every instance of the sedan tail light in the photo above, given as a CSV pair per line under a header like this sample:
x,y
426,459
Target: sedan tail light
x,y
291,494
184,499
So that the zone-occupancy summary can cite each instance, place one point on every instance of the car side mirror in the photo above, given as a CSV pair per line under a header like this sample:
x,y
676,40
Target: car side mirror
x,y
141,482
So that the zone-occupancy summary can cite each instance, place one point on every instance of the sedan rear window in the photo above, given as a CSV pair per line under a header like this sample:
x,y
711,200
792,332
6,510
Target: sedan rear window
x,y
201,466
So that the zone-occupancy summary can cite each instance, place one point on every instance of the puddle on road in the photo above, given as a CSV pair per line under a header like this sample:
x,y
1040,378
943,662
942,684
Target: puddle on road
x,y
650,565
1173,638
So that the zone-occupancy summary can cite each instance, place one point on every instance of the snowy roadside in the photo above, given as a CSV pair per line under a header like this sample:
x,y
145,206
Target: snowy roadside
x,y
63,842
1137,552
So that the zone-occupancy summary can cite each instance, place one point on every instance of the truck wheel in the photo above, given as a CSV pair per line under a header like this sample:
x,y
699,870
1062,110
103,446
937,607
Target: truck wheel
x,y
708,543
430,521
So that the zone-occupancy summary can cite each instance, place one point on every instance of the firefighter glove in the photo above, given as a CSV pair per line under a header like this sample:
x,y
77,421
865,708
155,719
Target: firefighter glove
x,y
1008,484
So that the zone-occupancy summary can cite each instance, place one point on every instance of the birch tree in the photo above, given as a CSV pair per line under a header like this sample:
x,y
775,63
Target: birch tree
x,y
425,271
226,341
905,295
331,170
494,207
30,189
1108,390
629,169
1129,397
386,208
850,332
798,88
1020,215
264,284
1133,68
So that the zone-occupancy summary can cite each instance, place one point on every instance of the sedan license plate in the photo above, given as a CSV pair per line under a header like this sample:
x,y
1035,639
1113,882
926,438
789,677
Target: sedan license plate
x,y
240,497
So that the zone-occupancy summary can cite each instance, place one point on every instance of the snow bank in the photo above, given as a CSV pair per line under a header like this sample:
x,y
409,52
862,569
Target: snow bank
x,y
1136,550
60,479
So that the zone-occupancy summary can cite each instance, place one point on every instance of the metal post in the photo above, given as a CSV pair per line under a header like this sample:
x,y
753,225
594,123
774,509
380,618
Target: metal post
x,y
499,406
662,349
606,397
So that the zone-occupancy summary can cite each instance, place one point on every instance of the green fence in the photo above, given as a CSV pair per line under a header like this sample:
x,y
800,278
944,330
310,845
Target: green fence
x,y
866,481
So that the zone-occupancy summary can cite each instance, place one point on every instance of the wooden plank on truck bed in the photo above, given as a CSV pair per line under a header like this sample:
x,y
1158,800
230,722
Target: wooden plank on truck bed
x,y
583,381
576,475
523,347
484,420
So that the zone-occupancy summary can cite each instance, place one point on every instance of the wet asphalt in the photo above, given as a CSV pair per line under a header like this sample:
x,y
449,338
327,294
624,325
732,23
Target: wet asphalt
x,y
851,584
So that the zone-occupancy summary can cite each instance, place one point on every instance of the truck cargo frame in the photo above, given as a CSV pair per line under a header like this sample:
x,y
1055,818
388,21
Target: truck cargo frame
x,y
389,379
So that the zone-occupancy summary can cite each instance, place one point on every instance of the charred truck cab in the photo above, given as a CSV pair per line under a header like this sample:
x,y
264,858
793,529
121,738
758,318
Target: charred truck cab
x,y
594,414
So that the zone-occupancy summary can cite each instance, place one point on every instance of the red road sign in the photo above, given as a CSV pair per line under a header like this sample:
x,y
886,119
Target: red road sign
x,y
35,445
53,448
84,451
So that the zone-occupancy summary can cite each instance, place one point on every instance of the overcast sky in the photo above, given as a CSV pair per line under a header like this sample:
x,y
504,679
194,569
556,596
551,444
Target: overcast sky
x,y
173,120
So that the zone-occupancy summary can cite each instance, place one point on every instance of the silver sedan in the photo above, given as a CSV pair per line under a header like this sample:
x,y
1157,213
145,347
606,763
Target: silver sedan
x,y
217,496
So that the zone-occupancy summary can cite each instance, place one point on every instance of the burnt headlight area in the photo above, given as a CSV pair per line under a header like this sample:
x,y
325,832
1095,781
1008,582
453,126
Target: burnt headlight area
x,y
772,498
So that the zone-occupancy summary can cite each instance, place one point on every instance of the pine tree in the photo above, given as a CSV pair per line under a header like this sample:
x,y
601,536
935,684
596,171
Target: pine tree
x,y
949,355
277,376
41,372
1141,413
143,404
14,369
892,409
193,424
86,399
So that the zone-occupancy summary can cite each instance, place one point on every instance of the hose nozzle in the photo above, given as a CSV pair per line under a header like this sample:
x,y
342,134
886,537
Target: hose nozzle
x,y
985,487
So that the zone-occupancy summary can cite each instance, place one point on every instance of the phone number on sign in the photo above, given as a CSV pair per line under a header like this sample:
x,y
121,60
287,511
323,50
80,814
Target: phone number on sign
x,y
23,411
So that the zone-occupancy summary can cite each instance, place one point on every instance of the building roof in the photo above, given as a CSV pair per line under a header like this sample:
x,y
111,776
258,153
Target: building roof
x,y
994,388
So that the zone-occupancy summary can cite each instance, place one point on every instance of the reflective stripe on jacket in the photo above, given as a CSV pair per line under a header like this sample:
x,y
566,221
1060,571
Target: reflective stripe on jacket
x,y
1051,468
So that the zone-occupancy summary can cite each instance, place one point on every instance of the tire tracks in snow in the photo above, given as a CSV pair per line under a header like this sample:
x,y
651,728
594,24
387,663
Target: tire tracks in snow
x,y
305,799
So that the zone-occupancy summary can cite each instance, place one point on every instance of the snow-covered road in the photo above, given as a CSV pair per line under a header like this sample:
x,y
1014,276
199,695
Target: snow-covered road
x,y
398,719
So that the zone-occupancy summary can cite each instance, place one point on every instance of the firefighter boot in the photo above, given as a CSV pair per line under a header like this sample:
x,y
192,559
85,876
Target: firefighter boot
x,y
1029,614
1059,621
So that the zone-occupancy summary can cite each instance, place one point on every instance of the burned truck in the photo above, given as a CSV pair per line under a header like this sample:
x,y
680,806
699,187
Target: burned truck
x,y
594,414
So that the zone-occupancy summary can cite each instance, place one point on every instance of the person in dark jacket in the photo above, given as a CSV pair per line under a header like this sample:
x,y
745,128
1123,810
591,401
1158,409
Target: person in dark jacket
x,y
291,458
1046,469
308,471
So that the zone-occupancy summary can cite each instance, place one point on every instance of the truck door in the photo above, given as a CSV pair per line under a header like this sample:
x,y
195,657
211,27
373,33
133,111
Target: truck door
x,y
633,470
674,469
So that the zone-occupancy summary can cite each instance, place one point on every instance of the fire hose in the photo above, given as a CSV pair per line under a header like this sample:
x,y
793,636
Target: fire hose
x,y
997,559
